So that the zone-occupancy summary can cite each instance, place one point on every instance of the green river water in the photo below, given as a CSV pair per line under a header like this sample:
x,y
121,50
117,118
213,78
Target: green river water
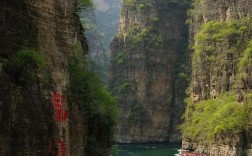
x,y
145,149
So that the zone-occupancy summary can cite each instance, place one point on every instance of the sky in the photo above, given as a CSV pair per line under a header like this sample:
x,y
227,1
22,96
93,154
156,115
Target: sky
x,y
101,5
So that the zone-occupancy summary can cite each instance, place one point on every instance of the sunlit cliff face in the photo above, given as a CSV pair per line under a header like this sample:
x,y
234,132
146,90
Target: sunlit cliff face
x,y
101,5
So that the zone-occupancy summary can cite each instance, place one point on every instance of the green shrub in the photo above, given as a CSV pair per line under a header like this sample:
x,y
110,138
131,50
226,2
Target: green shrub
x,y
217,40
141,6
92,95
182,75
247,54
120,57
207,120
211,33
140,35
83,4
128,1
23,67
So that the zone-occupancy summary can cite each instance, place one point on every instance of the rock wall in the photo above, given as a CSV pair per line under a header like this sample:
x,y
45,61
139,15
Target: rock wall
x,y
216,11
218,69
146,74
35,117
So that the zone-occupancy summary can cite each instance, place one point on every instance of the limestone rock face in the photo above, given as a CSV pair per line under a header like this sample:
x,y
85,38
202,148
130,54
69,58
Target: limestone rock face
x,y
146,60
216,150
205,83
29,124
218,69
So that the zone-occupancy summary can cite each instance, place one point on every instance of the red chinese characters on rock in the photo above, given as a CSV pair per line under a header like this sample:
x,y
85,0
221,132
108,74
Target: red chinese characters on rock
x,y
61,148
58,101
60,115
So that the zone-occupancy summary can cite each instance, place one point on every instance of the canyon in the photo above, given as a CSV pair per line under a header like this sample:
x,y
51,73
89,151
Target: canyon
x,y
148,61
179,71
43,49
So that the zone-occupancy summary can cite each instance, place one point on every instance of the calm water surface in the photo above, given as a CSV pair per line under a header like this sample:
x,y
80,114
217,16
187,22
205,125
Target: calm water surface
x,y
145,149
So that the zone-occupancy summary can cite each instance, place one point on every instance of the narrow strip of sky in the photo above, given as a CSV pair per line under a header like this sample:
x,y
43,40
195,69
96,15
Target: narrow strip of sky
x,y
101,5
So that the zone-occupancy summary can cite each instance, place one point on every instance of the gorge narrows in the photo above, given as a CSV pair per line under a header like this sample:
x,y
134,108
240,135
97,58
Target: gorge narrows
x,y
148,62
130,77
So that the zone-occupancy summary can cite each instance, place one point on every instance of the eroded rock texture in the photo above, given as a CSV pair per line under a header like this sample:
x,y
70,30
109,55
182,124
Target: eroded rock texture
x,y
218,69
28,122
145,68
219,76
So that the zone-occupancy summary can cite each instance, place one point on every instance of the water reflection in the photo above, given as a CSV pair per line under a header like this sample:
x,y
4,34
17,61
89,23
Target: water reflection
x,y
145,149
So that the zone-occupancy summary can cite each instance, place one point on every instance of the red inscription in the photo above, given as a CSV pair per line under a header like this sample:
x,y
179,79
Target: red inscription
x,y
58,101
61,148
61,115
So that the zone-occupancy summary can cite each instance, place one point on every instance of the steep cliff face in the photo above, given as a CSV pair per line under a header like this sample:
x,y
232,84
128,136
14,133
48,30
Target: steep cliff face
x,y
223,12
220,33
36,115
145,71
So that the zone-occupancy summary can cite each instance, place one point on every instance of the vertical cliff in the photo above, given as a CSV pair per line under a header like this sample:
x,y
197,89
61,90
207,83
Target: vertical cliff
x,y
40,114
209,75
218,115
37,39
146,70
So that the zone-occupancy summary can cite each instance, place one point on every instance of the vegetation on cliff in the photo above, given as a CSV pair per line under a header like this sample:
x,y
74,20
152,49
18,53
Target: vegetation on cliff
x,y
147,69
210,120
221,103
24,66
88,76
83,4
96,103
94,97
214,35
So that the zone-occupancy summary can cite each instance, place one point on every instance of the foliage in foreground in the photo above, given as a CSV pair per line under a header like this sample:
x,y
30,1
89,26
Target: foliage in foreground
x,y
208,120
94,97
97,103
